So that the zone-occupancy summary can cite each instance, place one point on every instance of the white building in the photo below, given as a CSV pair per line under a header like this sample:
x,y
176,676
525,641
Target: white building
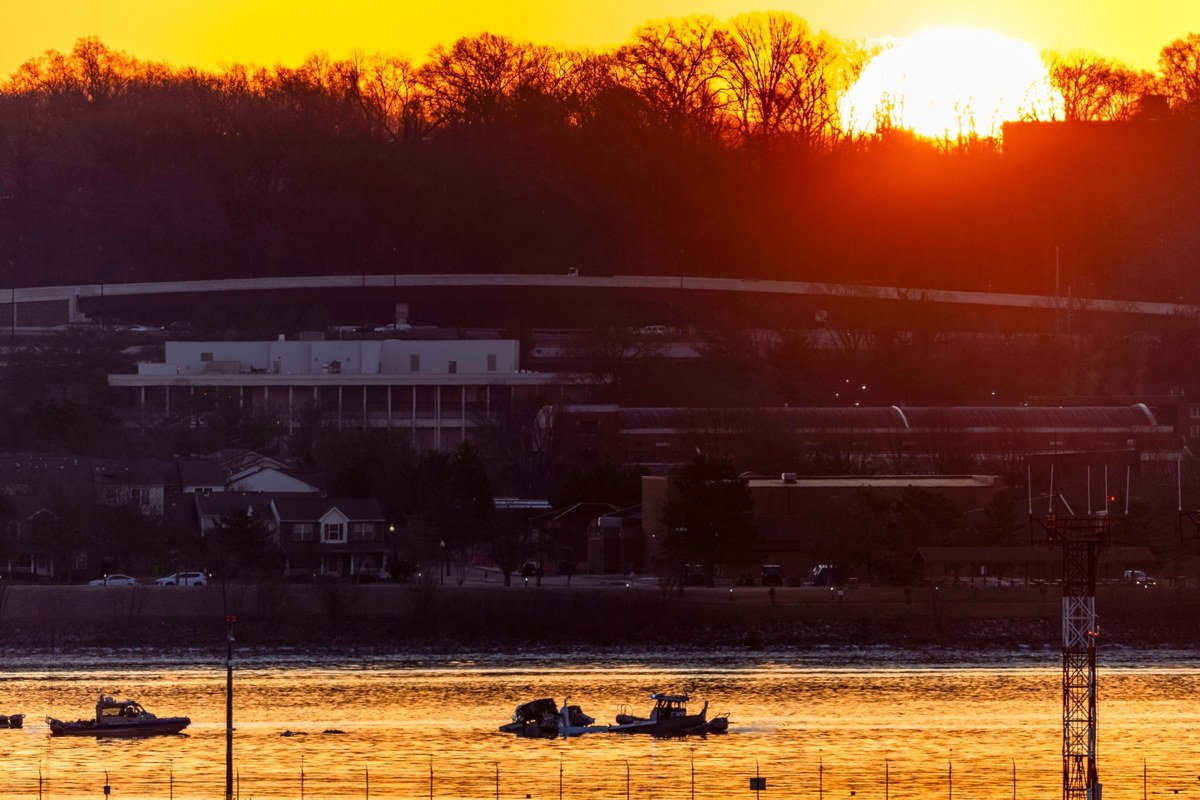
x,y
438,390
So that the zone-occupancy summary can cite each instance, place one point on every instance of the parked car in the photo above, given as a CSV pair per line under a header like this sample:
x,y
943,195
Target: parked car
x,y
392,327
1139,578
772,575
184,579
115,579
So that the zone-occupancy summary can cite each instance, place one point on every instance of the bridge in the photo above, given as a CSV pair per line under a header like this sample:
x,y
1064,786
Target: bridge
x,y
37,309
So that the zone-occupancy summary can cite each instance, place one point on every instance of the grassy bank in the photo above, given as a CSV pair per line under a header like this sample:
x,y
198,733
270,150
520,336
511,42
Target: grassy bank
x,y
605,614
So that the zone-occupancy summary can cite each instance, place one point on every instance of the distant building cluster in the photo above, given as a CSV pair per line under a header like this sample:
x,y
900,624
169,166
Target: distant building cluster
x,y
50,509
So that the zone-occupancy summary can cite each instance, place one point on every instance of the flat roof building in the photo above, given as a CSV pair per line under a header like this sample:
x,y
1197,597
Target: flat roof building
x,y
437,390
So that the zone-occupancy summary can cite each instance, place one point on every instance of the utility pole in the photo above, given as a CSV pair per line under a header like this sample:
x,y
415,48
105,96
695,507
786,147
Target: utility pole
x,y
229,620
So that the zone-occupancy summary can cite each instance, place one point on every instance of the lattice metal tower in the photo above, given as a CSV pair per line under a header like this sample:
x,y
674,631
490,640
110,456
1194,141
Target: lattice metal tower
x,y
1081,539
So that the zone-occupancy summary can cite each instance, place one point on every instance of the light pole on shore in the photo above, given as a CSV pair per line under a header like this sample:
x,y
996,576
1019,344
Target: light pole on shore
x,y
229,620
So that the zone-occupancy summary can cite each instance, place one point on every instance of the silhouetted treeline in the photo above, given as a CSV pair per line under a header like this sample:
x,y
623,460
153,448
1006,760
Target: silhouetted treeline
x,y
699,148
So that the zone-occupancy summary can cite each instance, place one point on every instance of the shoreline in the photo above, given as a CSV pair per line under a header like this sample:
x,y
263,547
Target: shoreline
x,y
337,617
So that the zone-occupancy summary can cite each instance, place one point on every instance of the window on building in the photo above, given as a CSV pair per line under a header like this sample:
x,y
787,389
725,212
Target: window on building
x,y
333,532
302,531
453,367
139,497
491,362
363,532
1194,431
1194,412
414,362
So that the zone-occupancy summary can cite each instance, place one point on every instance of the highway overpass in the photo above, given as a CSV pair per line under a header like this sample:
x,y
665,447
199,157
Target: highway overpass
x,y
455,300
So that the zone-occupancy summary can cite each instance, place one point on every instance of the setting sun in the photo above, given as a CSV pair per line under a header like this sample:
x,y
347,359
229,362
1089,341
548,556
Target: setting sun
x,y
950,82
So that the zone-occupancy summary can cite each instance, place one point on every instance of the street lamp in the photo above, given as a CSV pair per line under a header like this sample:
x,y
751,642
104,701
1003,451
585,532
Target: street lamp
x,y
446,561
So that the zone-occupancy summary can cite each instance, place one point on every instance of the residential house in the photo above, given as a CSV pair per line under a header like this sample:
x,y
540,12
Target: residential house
x,y
139,483
37,474
26,546
211,507
199,475
271,479
335,537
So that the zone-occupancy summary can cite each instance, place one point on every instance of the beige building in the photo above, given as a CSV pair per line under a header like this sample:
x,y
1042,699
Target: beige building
x,y
785,508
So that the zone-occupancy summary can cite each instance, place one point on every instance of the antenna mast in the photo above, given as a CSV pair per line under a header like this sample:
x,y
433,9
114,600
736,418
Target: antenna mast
x,y
1081,538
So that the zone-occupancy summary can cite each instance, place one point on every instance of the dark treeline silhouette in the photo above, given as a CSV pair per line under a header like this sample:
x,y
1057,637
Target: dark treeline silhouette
x,y
698,148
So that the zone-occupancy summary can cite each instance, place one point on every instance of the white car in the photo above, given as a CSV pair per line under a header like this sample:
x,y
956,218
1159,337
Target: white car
x,y
393,327
184,579
115,579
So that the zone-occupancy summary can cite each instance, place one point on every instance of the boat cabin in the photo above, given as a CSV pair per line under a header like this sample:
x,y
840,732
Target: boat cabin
x,y
667,706
108,709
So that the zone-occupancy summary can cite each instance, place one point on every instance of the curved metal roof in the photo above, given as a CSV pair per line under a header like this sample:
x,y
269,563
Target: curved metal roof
x,y
1062,417
1085,418
717,418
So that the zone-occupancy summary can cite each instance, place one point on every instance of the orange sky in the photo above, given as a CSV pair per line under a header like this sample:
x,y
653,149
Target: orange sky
x,y
213,33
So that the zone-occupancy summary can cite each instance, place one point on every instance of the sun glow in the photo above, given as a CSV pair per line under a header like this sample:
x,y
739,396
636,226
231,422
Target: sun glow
x,y
947,83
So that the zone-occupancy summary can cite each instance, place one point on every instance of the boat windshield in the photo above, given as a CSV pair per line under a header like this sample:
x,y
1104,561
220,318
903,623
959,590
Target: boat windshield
x,y
120,710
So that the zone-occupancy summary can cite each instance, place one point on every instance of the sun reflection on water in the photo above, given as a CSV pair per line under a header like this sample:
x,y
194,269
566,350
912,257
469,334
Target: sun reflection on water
x,y
831,727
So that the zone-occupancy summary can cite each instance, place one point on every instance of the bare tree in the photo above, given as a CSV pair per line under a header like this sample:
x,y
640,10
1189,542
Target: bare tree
x,y
676,66
393,99
850,59
90,71
1179,63
778,79
477,80
1095,89
608,356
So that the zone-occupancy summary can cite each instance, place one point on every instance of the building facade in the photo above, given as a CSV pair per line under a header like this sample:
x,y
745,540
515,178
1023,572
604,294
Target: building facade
x,y
438,390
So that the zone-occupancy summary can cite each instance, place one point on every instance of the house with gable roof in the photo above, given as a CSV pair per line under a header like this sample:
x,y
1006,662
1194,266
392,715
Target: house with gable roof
x,y
333,537
271,479
140,483
24,544
211,507
199,475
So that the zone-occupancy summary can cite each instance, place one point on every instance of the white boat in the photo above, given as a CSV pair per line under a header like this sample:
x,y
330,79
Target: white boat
x,y
124,718
670,717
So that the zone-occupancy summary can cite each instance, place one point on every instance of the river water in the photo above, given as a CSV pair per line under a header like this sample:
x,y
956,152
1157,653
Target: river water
x,y
838,724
